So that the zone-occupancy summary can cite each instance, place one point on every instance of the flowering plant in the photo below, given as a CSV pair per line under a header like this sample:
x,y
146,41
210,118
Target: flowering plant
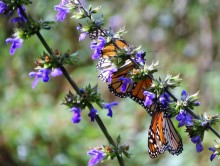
x,y
157,99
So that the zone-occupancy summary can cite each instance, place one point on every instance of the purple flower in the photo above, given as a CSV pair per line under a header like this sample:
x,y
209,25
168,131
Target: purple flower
x,y
164,100
97,47
76,117
184,119
82,91
107,73
196,103
83,35
64,2
100,44
92,114
125,83
79,27
192,98
108,106
97,156
42,73
56,72
62,10
197,140
213,155
16,43
18,20
140,57
204,123
149,97
21,18
3,7
96,54
183,95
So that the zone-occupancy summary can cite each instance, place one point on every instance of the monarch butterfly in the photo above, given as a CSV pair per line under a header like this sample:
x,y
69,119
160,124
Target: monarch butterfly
x,y
105,65
133,90
162,135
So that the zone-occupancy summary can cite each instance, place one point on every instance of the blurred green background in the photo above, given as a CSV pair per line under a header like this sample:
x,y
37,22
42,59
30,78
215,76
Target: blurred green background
x,y
35,129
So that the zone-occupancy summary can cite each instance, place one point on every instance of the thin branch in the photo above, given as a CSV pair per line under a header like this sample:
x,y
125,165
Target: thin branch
x,y
44,43
104,130
214,131
70,80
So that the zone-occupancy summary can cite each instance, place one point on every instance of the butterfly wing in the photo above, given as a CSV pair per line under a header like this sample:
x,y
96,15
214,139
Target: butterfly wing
x,y
107,54
174,140
110,50
137,93
104,64
157,143
163,136
116,84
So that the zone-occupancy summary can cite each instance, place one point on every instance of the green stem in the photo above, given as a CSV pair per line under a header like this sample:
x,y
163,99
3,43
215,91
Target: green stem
x,y
214,131
44,43
109,138
70,80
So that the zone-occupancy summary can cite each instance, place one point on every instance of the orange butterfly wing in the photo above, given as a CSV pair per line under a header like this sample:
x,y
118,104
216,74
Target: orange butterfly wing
x,y
116,84
110,50
157,143
163,136
138,90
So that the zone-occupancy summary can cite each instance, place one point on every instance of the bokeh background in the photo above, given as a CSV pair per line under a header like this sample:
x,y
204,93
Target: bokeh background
x,y
36,129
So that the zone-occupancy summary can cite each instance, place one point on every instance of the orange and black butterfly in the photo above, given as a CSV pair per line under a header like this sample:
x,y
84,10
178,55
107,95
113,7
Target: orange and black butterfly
x,y
116,74
108,54
162,134
133,89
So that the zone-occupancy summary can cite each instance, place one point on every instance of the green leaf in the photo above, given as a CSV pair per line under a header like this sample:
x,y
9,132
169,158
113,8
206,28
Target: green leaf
x,y
118,140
